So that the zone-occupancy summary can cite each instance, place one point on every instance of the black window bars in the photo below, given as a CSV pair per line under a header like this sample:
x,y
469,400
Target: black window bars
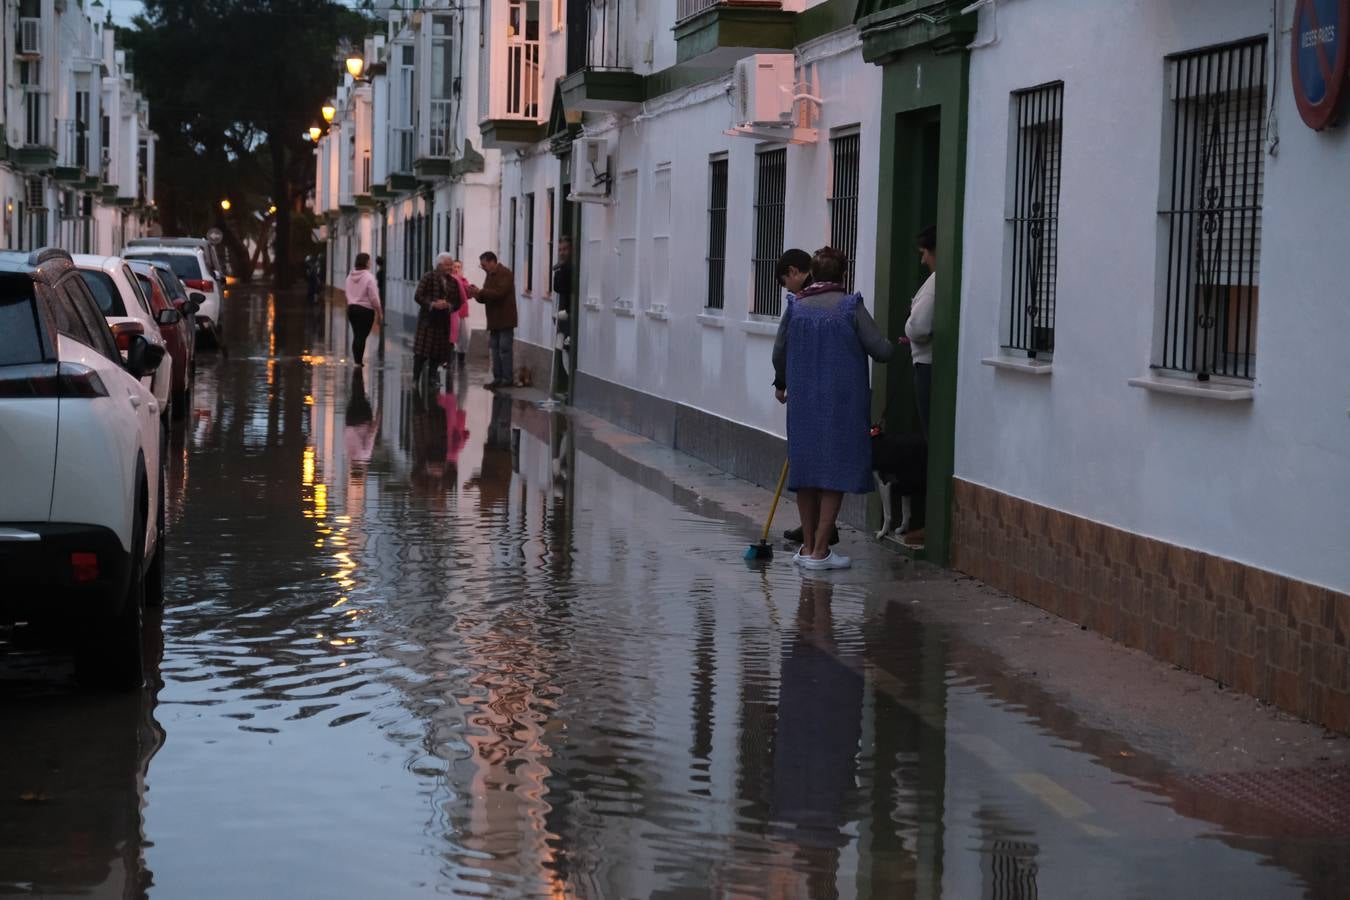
x,y
770,203
1039,141
844,199
529,242
1213,214
717,233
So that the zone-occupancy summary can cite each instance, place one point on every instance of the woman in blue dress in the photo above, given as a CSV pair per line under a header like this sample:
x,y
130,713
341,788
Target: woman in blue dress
x,y
825,337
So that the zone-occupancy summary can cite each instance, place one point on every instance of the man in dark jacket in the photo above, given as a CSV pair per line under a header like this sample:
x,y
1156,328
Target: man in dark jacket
x,y
498,294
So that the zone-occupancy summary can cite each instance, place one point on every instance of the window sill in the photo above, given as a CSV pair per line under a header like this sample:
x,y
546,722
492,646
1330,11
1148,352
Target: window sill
x,y
763,329
593,304
659,312
712,320
1184,387
1013,364
623,308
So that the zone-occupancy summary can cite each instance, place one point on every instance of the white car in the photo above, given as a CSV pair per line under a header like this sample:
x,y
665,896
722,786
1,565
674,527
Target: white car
x,y
196,264
81,483
118,294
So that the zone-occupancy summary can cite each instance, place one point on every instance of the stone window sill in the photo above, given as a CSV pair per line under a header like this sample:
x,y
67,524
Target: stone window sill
x,y
712,320
761,328
624,308
1200,390
1013,364
659,312
592,303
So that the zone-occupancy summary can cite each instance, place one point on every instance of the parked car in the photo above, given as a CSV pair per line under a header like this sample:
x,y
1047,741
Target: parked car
x,y
81,483
161,286
193,260
127,309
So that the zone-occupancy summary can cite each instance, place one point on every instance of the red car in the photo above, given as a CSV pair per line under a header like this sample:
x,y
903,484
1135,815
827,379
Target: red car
x,y
166,292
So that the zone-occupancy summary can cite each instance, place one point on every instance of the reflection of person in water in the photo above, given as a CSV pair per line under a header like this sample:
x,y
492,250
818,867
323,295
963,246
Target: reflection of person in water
x,y
456,434
494,479
816,737
429,445
362,427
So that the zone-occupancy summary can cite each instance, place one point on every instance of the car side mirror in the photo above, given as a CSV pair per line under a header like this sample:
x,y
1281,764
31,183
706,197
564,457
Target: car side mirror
x,y
198,298
143,357
168,317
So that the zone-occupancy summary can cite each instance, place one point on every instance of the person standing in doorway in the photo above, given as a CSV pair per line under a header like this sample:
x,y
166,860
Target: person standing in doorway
x,y
438,297
498,294
919,328
825,337
363,305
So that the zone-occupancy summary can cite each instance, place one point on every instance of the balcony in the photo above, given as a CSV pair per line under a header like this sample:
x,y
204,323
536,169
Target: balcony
x,y
716,33
433,160
521,105
607,83
402,158
363,195
73,158
39,143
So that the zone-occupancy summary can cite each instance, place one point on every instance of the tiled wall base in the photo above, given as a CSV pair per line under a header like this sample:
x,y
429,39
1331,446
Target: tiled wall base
x,y
1281,640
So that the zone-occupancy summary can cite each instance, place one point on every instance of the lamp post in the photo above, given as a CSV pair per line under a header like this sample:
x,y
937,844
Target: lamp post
x,y
329,111
225,204
355,66
315,132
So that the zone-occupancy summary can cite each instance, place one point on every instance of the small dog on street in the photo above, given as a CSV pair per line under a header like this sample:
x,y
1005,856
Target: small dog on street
x,y
899,465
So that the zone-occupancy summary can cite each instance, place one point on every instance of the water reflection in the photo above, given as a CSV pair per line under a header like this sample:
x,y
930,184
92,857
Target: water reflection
x,y
444,641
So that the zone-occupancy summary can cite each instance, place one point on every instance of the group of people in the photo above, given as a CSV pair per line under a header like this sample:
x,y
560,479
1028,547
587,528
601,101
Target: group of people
x,y
442,299
825,338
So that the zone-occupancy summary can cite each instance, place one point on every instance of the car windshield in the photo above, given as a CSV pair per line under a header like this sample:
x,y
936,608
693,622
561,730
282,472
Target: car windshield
x,y
105,292
20,339
173,287
184,265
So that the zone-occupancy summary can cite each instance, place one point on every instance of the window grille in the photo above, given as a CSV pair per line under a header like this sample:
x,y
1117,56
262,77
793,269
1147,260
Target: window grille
x,y
770,200
550,199
717,232
529,242
1213,213
1038,147
844,199
513,235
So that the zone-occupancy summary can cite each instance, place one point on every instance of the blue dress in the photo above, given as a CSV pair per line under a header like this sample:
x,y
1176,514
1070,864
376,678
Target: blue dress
x,y
829,398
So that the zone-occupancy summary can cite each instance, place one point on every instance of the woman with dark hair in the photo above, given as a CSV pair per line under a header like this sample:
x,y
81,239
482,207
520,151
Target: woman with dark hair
x,y
919,327
820,365
363,305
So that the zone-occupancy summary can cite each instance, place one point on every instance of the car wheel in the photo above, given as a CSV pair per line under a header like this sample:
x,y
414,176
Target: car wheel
x,y
110,652
154,577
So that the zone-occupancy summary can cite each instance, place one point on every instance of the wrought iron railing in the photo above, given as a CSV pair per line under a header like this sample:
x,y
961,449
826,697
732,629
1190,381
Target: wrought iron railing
x,y
1213,210
770,208
74,151
523,79
687,9
603,45
1035,219
402,149
363,180
37,124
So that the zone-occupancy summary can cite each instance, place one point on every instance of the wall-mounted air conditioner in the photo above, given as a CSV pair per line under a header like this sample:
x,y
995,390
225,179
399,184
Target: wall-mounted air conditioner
x,y
590,171
762,87
30,37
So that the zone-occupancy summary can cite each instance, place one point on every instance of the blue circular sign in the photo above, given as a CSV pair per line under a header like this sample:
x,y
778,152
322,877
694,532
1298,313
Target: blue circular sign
x,y
1319,58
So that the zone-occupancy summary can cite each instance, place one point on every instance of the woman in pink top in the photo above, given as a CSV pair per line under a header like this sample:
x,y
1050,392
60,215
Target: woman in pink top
x,y
363,305
457,273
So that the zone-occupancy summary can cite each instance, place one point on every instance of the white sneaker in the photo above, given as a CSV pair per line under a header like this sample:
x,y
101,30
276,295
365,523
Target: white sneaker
x,y
833,561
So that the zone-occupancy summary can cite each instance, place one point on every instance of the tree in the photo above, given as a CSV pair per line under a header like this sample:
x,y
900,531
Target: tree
x,y
232,86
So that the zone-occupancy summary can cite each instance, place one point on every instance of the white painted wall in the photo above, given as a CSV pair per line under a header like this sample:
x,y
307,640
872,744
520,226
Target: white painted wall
x,y
1266,482
719,362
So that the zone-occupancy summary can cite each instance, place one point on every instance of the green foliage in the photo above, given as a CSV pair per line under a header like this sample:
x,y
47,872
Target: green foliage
x,y
232,86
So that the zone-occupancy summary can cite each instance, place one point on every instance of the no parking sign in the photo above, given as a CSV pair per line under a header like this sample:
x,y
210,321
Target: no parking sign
x,y
1319,59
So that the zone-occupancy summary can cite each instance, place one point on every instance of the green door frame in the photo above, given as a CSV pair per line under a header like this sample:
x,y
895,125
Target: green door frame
x,y
924,80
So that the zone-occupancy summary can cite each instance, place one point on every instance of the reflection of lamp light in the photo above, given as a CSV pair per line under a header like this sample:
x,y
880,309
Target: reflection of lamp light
x,y
314,132
329,110
225,204
355,66
272,210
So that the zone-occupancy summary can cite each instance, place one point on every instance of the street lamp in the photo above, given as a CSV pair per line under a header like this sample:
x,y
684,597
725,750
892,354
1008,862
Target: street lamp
x,y
225,204
355,66
329,111
315,132
272,210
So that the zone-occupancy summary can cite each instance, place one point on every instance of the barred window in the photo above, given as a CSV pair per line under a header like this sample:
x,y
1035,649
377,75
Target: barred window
x,y
717,232
844,199
529,242
1213,212
1038,144
513,236
770,201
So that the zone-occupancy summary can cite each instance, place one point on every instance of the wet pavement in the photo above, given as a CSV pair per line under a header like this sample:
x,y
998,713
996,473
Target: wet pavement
x,y
455,645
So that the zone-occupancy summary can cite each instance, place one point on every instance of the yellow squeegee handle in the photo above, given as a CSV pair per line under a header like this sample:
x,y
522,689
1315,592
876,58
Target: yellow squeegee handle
x,y
778,492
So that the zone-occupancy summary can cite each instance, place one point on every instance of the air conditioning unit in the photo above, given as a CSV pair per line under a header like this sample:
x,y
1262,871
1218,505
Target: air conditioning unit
x,y
30,37
590,171
763,89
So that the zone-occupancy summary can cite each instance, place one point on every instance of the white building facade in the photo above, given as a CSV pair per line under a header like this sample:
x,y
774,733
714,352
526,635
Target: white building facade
x,y
78,171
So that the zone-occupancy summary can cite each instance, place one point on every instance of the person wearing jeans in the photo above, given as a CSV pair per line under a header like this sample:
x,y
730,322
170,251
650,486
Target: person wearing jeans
x,y
363,305
498,295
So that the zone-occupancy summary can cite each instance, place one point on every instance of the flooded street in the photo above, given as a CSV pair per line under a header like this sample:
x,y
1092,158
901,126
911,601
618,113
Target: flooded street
x,y
455,645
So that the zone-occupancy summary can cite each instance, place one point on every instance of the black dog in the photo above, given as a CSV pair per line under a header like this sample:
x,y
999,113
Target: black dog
x,y
899,463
